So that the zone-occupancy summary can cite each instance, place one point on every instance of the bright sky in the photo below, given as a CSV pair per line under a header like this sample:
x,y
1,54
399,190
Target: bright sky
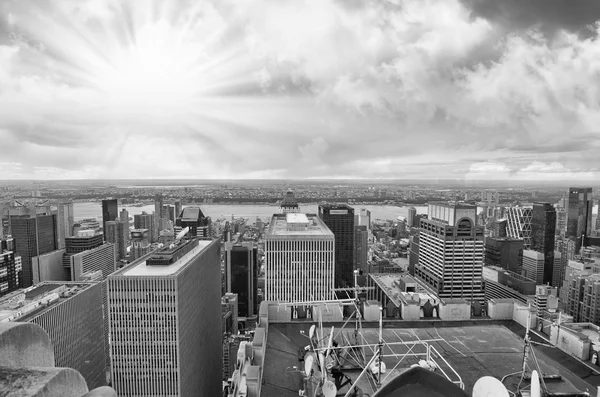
x,y
474,89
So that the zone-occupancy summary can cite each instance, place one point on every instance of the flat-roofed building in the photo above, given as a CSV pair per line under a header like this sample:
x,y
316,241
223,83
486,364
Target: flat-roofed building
x,y
71,314
505,252
339,218
100,258
299,259
533,265
165,322
11,269
500,283
451,251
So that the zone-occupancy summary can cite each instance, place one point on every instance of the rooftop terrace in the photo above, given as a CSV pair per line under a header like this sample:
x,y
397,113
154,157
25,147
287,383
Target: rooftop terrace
x,y
314,226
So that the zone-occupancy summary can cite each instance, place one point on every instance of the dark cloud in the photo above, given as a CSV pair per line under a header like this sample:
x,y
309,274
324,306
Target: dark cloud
x,y
546,15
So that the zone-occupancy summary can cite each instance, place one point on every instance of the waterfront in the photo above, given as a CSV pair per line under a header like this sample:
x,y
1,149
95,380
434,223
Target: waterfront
x,y
215,211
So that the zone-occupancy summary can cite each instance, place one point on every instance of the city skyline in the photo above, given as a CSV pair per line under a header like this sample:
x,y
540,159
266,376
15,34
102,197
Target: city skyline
x,y
469,90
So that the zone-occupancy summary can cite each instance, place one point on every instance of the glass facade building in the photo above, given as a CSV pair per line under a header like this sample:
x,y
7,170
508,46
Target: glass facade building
x,y
543,229
339,218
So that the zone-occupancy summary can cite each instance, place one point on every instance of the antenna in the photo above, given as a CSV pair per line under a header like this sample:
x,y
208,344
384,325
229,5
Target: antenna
x,y
536,391
488,386
182,233
308,364
329,389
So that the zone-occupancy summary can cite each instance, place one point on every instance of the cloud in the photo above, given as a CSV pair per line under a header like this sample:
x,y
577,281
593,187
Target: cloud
x,y
390,89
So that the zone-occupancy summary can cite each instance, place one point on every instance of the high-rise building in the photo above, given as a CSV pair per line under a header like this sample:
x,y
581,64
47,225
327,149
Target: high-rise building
x,y
100,258
499,228
299,259
165,322
110,212
289,205
124,218
178,209
579,215
413,255
115,233
557,272
33,236
339,218
169,213
158,215
83,241
533,265
504,252
363,218
518,224
410,219
500,283
11,268
241,270
543,227
561,222
580,292
193,217
71,315
50,267
451,251
361,247
64,222
145,221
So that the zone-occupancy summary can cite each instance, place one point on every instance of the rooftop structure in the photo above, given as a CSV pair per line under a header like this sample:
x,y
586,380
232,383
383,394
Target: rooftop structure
x,y
297,225
289,203
451,213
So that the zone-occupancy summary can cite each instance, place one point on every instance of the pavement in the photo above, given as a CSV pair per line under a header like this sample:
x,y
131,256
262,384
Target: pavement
x,y
472,351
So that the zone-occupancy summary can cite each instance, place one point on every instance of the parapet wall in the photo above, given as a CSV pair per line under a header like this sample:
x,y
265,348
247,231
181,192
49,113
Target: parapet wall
x,y
27,366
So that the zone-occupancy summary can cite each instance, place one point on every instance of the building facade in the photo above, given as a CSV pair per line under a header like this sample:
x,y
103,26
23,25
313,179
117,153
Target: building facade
x,y
504,252
165,322
543,228
115,233
500,283
579,215
241,270
451,252
289,205
518,224
65,221
361,247
339,218
11,268
299,259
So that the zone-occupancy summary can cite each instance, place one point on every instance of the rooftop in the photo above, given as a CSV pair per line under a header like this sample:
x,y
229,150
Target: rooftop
x,y
142,269
390,283
315,226
296,218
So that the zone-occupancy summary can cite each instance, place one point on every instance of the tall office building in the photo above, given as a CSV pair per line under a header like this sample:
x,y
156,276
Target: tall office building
x,y
145,221
361,247
83,241
499,228
158,216
363,218
165,322
289,205
124,218
413,254
178,209
193,217
115,233
339,218
533,265
451,251
543,227
518,224
504,252
33,236
71,315
11,268
579,215
110,212
558,271
169,213
561,222
65,220
101,258
299,259
241,270
580,292
410,219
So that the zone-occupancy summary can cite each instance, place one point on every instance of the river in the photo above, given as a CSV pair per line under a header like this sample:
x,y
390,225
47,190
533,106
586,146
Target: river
x,y
94,210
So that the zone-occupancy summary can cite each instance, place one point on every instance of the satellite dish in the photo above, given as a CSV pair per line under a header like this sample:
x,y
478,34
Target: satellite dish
x,y
322,364
329,389
182,233
308,364
311,331
535,384
489,386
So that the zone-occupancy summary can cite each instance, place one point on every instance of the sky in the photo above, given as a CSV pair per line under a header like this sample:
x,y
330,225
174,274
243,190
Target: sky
x,y
399,89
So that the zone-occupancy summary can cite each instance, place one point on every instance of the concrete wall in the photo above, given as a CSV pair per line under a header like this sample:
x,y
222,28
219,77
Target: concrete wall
x,y
521,313
48,267
455,309
501,309
410,311
570,341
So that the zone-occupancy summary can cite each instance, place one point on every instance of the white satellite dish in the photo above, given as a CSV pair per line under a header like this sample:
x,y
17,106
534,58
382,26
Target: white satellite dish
x,y
536,391
308,364
311,331
329,389
488,386
182,233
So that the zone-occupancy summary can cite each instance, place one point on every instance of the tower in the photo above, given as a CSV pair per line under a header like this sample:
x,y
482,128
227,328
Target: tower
x,y
241,269
543,228
110,212
289,203
451,251
410,219
579,215
115,233
174,296
339,218
361,247
65,220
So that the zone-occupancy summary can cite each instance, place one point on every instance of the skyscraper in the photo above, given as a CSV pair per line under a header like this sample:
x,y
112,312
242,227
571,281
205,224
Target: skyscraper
x,y
124,218
289,204
144,221
71,315
115,233
110,212
65,220
11,269
299,259
193,217
33,236
561,222
361,247
504,252
579,215
363,218
339,218
543,228
518,224
451,251
533,265
410,219
165,322
241,269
